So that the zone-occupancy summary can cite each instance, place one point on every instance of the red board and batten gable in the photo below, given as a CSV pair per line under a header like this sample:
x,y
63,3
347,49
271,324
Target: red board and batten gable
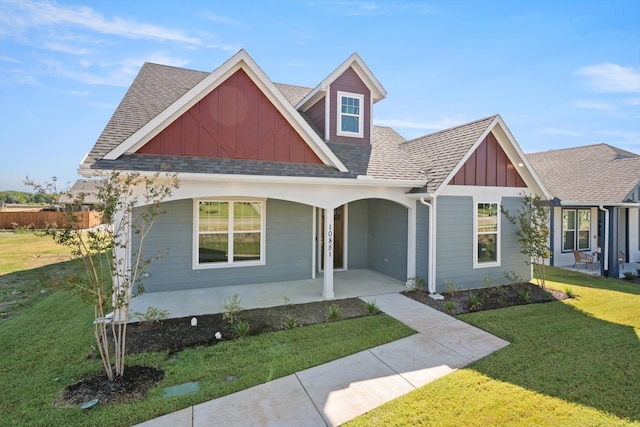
x,y
488,166
235,121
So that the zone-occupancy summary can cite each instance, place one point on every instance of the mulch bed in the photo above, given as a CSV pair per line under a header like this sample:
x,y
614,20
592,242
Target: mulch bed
x,y
173,335
488,298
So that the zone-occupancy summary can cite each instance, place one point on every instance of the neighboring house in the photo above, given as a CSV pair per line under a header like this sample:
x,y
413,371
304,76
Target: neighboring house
x,y
282,182
84,192
596,203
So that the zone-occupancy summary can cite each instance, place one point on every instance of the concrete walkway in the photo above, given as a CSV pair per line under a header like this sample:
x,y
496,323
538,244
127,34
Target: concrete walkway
x,y
338,391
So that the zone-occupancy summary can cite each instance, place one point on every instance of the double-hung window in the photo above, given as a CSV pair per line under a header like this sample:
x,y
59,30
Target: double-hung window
x,y
487,235
350,114
229,233
576,229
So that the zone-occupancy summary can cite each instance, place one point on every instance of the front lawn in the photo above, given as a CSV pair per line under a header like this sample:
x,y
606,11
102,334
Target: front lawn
x,y
571,363
45,349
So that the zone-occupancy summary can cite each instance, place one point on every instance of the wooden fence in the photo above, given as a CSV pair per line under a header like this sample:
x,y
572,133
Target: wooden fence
x,y
43,219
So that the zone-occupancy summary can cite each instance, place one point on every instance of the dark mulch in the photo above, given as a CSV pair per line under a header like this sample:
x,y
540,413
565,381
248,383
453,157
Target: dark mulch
x,y
133,385
487,298
173,335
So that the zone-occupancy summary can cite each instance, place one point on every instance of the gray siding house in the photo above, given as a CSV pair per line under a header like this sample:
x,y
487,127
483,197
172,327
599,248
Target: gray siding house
x,y
281,182
595,192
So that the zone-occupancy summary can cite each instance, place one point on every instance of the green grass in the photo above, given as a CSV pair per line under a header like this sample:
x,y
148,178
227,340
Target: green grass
x,y
571,363
24,259
45,349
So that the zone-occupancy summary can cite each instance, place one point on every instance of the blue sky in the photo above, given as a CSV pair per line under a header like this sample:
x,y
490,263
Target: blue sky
x,y
561,73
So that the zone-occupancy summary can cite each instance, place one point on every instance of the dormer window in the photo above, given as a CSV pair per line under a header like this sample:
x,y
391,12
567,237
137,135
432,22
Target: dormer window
x,y
350,114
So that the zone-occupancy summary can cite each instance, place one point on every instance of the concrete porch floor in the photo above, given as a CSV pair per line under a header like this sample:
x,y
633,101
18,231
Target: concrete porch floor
x,y
195,302
631,267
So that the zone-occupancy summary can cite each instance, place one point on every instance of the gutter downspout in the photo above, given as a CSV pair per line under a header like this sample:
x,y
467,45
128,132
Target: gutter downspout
x,y
605,243
431,278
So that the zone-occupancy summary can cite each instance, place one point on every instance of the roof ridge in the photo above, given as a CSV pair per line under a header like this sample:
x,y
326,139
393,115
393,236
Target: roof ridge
x,y
616,150
453,128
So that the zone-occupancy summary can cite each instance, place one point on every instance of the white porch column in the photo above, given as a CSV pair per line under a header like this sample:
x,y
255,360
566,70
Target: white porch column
x,y
327,290
411,244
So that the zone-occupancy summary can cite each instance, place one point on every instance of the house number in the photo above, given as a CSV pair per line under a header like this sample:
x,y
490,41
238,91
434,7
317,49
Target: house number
x,y
330,241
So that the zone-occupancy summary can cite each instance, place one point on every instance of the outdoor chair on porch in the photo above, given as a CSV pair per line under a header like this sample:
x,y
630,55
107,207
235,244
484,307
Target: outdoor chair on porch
x,y
621,258
582,258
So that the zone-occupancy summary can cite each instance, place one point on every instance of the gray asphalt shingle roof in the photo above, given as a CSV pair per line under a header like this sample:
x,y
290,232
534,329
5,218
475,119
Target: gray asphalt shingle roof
x,y
438,154
154,89
388,157
593,174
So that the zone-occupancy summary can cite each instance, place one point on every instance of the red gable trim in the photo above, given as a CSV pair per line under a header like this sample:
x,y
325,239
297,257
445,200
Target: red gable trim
x,y
488,166
234,121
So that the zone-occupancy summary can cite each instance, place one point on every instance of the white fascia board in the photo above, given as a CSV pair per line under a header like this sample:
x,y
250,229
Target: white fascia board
x,y
464,159
188,176
417,196
509,151
522,158
596,204
206,86
378,92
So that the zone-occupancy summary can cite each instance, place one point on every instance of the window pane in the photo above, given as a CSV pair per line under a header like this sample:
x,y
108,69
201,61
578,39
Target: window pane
x,y
349,124
487,217
569,220
583,240
584,219
213,248
246,246
568,240
214,216
350,105
246,216
487,248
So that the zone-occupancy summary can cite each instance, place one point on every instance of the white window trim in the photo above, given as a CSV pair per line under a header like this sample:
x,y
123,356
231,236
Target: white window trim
x,y
576,230
229,264
339,131
497,262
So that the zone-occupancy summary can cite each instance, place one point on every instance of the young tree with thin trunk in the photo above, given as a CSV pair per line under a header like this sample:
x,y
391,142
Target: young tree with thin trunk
x,y
112,266
533,221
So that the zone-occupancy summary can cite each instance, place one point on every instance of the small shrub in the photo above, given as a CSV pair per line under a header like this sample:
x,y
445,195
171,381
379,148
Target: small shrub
x,y
449,306
241,328
488,281
451,286
418,283
333,313
290,322
286,300
474,302
232,309
569,292
628,275
372,307
512,277
152,315
525,295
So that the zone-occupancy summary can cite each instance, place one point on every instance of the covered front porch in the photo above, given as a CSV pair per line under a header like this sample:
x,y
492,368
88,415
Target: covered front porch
x,y
595,269
194,302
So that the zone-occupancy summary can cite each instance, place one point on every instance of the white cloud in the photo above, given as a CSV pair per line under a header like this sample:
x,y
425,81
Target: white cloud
x,y
28,14
221,19
7,59
109,73
611,78
595,105
563,132
444,123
